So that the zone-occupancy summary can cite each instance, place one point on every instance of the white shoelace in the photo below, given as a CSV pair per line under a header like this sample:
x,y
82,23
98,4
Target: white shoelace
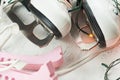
x,y
12,63
17,64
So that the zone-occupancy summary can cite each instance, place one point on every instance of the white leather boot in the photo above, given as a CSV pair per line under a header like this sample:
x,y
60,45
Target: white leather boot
x,y
103,16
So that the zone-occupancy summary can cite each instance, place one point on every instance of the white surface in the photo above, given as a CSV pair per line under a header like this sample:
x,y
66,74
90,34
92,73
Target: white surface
x,y
93,70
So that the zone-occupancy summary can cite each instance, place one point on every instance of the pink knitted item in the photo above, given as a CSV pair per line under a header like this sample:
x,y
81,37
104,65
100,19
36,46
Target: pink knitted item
x,y
34,62
46,72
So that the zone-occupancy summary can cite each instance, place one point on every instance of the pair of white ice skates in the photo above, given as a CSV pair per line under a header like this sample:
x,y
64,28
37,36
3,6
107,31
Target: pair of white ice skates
x,y
42,18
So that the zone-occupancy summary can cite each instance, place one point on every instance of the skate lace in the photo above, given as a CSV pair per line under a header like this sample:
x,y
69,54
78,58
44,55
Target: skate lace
x,y
117,6
8,63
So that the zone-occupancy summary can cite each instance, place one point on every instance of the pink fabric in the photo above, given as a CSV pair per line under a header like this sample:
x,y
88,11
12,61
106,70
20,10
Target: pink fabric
x,y
44,64
46,72
34,62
